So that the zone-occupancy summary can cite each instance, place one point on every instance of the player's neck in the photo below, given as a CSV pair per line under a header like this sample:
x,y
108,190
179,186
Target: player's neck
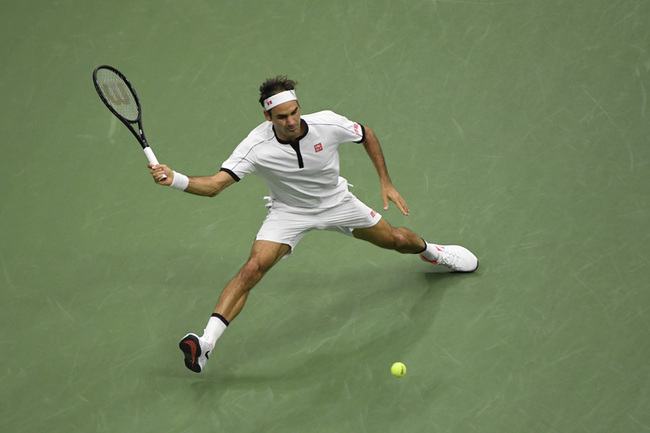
x,y
284,139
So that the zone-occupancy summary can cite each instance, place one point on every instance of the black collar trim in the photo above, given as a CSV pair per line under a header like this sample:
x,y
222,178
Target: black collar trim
x,y
295,144
302,123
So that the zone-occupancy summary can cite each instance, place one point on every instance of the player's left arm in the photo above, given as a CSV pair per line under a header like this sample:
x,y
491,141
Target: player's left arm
x,y
388,191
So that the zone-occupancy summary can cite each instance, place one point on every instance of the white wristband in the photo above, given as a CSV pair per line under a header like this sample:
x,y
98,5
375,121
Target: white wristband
x,y
180,181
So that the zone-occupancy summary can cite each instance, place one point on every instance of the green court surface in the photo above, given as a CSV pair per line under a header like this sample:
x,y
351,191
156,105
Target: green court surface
x,y
517,128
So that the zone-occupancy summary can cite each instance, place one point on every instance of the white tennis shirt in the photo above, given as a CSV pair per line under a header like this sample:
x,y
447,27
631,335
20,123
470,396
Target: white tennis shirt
x,y
305,173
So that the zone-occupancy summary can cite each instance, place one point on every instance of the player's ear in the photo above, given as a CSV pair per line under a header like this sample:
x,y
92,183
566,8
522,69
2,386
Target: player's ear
x,y
267,115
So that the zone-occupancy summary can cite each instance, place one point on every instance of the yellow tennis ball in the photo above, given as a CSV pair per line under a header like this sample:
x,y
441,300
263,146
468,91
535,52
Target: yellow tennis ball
x,y
398,369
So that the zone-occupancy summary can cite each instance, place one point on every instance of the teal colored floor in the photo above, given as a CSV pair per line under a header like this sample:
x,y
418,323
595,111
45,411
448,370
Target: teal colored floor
x,y
519,129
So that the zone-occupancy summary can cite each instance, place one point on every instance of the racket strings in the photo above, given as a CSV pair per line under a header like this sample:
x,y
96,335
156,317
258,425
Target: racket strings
x,y
118,94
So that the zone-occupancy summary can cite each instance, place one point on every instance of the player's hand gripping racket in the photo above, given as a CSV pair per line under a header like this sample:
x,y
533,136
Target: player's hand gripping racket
x,y
119,96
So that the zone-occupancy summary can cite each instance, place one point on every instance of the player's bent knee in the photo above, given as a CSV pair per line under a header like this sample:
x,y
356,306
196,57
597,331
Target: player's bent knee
x,y
254,269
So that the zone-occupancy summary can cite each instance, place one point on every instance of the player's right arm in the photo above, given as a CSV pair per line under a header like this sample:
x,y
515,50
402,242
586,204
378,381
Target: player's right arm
x,y
207,186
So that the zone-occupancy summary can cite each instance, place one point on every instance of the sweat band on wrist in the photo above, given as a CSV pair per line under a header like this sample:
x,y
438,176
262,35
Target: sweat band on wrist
x,y
180,181
279,98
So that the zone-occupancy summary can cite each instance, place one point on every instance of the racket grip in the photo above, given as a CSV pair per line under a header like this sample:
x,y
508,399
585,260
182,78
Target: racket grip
x,y
152,159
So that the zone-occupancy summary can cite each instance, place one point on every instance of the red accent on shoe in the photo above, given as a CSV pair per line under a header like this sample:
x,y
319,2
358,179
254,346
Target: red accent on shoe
x,y
192,346
427,260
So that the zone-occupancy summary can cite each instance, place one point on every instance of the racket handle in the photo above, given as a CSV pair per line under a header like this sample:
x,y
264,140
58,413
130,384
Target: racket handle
x,y
152,159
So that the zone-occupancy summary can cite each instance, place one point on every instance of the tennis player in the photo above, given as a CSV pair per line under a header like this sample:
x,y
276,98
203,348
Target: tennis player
x,y
297,156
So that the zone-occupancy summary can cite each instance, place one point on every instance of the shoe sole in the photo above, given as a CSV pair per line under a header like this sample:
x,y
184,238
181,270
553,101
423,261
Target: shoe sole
x,y
192,350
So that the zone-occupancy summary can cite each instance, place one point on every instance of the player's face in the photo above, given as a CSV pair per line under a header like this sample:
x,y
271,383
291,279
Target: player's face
x,y
286,120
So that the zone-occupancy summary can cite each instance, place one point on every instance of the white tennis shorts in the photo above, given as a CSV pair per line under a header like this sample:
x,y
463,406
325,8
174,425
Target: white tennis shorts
x,y
287,225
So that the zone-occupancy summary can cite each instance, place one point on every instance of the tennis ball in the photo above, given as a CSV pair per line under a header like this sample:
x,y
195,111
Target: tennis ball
x,y
398,369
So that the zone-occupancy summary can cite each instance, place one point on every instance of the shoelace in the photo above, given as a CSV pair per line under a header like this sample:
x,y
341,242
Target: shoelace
x,y
449,259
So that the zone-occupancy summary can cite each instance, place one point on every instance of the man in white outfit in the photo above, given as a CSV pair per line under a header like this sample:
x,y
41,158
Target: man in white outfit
x,y
297,156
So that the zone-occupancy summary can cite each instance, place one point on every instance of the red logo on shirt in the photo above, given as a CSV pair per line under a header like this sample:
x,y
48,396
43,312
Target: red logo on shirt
x,y
373,213
318,147
356,128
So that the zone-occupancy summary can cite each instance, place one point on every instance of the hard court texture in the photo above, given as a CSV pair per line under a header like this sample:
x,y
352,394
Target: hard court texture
x,y
517,128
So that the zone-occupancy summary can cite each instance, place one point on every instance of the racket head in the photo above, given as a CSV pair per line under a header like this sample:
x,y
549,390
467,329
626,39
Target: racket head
x,y
117,94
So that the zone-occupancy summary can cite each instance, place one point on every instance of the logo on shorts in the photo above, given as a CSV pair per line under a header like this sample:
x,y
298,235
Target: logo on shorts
x,y
318,147
373,213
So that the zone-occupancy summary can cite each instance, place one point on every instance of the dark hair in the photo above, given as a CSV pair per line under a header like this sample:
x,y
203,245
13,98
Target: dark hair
x,y
275,85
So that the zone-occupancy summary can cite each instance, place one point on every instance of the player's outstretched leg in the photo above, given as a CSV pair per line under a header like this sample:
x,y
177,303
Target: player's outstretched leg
x,y
403,240
264,255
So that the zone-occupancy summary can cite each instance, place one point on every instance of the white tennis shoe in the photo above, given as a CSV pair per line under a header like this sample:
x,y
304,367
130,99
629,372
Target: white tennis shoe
x,y
197,351
455,257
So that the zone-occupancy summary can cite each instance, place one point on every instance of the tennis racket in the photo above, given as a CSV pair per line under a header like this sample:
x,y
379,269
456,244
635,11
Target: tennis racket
x,y
119,96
